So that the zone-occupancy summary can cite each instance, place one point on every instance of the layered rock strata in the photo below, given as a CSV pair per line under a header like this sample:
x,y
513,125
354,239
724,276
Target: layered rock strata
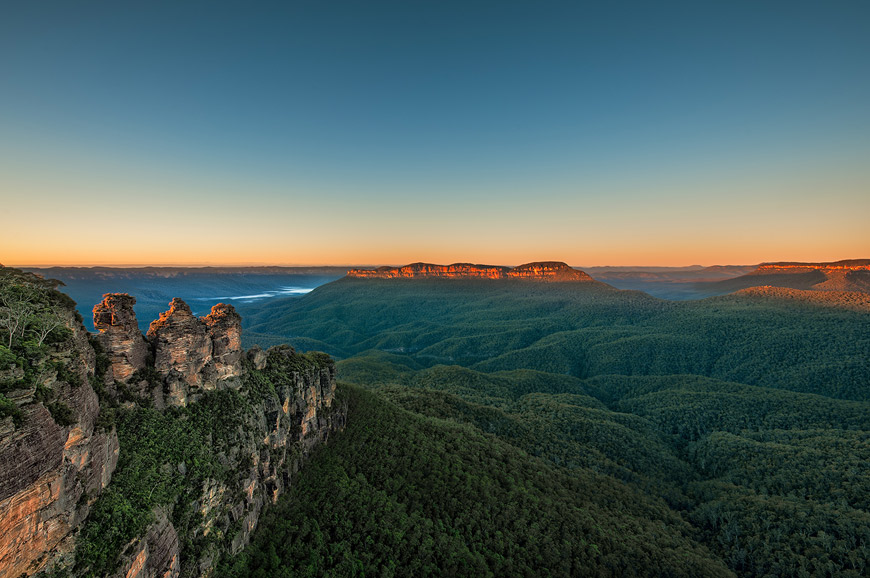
x,y
53,464
540,271
119,335
55,459
794,267
195,354
155,555
190,354
281,428
851,275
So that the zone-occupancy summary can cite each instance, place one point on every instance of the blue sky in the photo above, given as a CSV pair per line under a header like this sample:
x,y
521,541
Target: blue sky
x,y
388,132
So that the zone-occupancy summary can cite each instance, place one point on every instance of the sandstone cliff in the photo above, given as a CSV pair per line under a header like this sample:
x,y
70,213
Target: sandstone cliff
x,y
188,354
847,276
187,486
260,434
540,271
119,335
192,354
55,458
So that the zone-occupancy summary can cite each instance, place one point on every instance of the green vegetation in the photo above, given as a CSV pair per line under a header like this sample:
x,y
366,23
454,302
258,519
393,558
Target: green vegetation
x,y
746,419
35,336
400,494
9,409
168,458
500,429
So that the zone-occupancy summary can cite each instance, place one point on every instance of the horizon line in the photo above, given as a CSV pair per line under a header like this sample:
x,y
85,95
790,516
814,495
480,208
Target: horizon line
x,y
207,265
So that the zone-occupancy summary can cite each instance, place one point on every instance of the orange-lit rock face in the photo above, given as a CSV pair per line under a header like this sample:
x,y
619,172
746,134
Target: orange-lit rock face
x,y
456,270
182,348
156,554
850,276
849,265
24,536
543,271
119,335
50,474
548,271
192,354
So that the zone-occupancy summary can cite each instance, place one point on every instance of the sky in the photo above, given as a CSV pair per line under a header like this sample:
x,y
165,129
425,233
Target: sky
x,y
316,133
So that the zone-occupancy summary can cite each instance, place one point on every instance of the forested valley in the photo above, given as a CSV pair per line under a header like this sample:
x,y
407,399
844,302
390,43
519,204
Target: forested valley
x,y
534,429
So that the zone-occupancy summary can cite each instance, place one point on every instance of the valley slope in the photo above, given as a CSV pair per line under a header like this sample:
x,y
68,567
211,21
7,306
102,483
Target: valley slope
x,y
745,416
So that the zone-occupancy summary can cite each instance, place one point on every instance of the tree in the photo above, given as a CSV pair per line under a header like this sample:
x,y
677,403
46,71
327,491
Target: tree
x,y
17,305
46,320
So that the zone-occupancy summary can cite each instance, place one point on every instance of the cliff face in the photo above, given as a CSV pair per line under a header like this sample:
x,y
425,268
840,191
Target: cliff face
x,y
541,271
54,458
840,276
793,267
548,271
277,427
264,412
119,335
190,354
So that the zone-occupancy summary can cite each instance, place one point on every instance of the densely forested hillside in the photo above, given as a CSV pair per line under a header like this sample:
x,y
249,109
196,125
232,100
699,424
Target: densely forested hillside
x,y
400,494
581,329
745,418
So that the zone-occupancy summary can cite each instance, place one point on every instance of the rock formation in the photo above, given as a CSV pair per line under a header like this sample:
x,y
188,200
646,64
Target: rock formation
x,y
192,354
845,265
119,335
182,352
548,271
541,271
847,276
54,461
225,330
56,458
283,427
155,555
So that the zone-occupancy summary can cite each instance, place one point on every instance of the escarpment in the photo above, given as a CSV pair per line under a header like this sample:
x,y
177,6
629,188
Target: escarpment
x,y
540,271
188,485
839,278
56,453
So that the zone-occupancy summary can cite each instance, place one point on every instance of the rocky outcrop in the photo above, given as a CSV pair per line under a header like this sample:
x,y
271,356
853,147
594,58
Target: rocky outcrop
x,y
190,354
54,461
548,271
282,426
119,335
156,555
847,276
193,354
795,267
540,271
427,270
224,327
182,352
56,458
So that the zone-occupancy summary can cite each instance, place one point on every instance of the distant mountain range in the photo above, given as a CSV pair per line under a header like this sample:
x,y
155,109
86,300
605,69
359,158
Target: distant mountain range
x,y
203,287
678,283
849,275
538,271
